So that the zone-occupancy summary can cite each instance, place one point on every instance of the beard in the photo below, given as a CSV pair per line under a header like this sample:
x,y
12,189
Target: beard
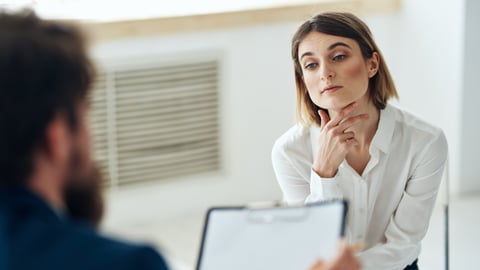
x,y
83,194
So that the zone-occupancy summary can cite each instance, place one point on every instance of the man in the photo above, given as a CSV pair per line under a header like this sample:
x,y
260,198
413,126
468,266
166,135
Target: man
x,y
50,195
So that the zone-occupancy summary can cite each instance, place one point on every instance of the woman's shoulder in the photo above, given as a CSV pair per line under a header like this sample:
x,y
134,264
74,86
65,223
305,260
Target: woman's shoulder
x,y
409,121
296,137
416,129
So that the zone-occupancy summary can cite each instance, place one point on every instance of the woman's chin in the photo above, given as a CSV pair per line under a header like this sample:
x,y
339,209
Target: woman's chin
x,y
339,102
335,105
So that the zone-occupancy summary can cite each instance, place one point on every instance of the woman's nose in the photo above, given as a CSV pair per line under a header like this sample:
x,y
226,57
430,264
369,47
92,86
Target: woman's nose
x,y
326,72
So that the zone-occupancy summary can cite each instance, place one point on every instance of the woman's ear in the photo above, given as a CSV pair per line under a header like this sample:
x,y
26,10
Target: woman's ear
x,y
373,64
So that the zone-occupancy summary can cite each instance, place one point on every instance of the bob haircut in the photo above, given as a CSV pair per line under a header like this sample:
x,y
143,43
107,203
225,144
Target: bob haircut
x,y
381,86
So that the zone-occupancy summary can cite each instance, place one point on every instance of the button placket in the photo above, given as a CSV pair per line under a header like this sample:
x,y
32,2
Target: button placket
x,y
362,209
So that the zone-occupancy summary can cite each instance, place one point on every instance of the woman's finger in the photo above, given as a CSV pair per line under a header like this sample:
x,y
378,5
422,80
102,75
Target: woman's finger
x,y
324,118
345,112
351,121
343,137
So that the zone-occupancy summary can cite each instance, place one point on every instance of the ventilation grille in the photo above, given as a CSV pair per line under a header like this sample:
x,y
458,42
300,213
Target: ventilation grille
x,y
155,123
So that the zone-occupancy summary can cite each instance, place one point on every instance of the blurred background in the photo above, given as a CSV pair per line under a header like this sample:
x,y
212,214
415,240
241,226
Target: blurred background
x,y
191,96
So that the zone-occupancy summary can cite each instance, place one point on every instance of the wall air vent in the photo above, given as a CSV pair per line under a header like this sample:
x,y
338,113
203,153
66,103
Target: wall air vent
x,y
152,123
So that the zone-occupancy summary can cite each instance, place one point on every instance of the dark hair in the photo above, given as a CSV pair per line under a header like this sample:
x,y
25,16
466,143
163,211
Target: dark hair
x,y
44,70
381,85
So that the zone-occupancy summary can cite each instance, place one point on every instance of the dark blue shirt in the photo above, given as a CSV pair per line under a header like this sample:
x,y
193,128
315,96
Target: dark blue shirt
x,y
33,236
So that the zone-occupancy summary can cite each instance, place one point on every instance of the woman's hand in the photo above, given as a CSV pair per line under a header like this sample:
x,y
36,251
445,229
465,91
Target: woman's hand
x,y
335,140
344,260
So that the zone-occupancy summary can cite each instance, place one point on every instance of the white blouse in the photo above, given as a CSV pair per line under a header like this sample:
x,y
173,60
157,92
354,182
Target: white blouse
x,y
391,203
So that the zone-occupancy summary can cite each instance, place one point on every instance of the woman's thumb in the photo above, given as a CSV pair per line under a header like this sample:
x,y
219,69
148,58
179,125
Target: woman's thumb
x,y
324,118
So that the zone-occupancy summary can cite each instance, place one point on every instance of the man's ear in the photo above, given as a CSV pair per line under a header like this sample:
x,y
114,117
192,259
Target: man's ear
x,y
373,64
57,140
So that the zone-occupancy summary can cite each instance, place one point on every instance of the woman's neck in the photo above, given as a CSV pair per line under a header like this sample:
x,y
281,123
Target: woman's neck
x,y
365,130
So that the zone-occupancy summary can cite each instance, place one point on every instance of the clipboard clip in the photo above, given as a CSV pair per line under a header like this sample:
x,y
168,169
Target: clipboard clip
x,y
271,212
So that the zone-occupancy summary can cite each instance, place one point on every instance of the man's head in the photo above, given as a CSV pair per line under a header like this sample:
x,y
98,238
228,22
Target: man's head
x,y
45,79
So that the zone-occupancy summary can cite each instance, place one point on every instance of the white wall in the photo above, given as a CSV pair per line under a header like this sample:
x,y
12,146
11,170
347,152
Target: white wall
x,y
257,106
423,47
470,144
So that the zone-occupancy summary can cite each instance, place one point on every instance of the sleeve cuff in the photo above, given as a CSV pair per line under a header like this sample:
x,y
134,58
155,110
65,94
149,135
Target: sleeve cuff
x,y
323,188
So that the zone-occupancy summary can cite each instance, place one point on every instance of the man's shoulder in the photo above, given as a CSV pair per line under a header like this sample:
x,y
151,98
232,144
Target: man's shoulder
x,y
101,252
53,243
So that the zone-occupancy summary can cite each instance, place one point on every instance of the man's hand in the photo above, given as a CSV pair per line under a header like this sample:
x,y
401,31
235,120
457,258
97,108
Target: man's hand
x,y
344,260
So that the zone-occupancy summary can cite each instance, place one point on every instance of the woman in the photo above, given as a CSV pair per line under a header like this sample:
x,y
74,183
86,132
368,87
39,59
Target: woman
x,y
350,143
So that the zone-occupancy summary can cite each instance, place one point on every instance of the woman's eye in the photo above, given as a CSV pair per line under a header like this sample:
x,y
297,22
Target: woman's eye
x,y
339,57
310,66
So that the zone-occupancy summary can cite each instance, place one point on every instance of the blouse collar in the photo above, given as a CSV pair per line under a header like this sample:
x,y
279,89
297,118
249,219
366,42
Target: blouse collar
x,y
384,135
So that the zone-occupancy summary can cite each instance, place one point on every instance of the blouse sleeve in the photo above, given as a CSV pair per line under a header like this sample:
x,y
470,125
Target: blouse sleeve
x,y
323,188
408,225
292,163
290,176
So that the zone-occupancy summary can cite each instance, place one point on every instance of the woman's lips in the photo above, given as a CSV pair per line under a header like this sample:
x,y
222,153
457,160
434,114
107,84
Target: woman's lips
x,y
331,89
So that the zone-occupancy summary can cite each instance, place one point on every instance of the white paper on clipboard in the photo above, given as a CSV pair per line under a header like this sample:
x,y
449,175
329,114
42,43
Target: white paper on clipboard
x,y
280,238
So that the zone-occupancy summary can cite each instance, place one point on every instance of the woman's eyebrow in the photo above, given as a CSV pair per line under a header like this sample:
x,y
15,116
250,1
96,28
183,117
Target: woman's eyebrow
x,y
331,47
306,54
336,44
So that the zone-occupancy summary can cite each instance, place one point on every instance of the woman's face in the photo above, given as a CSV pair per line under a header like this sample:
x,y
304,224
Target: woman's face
x,y
334,70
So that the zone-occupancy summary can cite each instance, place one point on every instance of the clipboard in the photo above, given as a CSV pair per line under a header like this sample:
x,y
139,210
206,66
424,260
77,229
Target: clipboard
x,y
280,238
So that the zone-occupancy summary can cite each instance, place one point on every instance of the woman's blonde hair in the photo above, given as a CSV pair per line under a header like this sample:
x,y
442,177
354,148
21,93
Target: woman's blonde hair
x,y
381,86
